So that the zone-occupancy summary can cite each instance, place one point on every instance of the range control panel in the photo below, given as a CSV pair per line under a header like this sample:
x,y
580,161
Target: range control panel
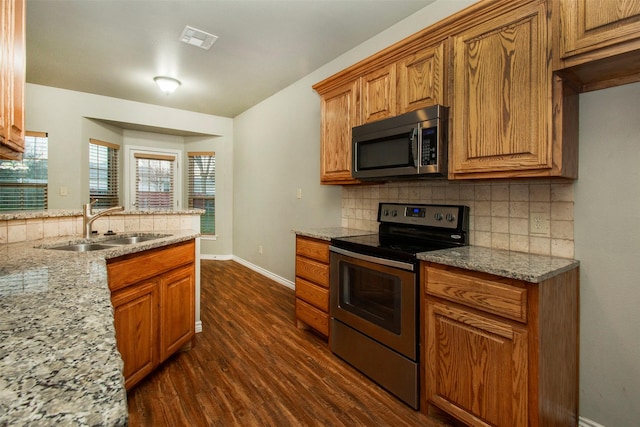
x,y
441,216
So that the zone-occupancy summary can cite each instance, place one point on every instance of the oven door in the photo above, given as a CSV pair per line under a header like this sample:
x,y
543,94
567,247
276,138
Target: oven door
x,y
377,297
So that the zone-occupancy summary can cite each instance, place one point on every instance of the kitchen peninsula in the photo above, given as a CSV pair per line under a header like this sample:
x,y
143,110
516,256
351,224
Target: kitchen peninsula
x,y
59,363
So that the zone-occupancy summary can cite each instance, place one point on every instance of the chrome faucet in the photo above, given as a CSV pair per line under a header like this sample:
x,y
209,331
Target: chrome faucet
x,y
88,216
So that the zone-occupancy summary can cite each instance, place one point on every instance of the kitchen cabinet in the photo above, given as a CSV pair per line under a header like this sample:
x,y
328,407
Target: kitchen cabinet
x,y
421,79
12,79
599,42
312,284
153,296
340,111
502,90
500,351
379,94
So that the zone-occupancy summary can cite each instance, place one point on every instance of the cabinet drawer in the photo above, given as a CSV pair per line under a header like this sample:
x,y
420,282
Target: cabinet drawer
x,y
313,317
133,268
313,248
314,271
497,295
313,294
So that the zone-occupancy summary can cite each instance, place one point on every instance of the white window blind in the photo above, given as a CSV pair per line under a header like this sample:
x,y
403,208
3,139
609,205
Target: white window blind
x,y
202,188
154,181
103,173
23,184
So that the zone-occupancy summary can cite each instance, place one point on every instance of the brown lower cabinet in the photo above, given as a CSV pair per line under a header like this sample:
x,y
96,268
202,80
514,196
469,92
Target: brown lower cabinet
x,y
153,297
312,284
498,351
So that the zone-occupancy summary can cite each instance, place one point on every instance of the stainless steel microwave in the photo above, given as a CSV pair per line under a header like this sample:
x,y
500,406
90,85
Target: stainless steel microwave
x,y
412,145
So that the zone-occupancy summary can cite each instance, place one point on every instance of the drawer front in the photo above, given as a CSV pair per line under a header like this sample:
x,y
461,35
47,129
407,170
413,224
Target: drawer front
x,y
501,296
313,271
313,294
129,269
313,317
313,248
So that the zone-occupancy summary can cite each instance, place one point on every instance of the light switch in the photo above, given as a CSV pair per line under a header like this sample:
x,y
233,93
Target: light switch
x,y
64,191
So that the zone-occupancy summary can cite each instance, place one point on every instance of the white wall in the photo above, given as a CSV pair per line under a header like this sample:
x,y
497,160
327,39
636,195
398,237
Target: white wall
x,y
277,151
607,243
71,118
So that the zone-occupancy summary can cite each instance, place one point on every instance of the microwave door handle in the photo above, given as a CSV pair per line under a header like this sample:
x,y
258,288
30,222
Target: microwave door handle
x,y
414,146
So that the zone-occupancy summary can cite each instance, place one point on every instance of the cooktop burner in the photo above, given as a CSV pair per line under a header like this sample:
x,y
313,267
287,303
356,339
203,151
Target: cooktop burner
x,y
408,229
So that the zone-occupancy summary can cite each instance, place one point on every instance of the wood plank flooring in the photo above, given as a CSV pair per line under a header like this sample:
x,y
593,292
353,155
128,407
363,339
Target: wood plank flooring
x,y
251,366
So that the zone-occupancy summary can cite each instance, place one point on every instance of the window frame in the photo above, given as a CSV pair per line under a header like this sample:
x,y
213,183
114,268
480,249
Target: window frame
x,y
130,174
45,186
191,195
113,190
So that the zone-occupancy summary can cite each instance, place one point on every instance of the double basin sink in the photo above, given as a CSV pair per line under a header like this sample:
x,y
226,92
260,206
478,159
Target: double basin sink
x,y
107,244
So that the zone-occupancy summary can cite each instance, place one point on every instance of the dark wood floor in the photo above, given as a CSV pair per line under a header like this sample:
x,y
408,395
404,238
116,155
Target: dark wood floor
x,y
251,366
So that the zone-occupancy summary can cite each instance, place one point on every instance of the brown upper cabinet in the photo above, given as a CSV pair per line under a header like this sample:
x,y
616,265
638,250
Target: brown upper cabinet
x,y
599,41
12,79
502,114
393,82
421,79
510,72
340,111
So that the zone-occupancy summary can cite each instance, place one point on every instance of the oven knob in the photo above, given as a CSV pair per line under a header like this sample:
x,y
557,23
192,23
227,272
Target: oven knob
x,y
451,217
385,212
438,216
394,213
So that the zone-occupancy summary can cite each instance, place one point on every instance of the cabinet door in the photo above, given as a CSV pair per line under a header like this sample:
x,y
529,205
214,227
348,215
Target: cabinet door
x,y
502,93
588,25
136,321
13,79
421,80
178,309
340,110
475,366
379,94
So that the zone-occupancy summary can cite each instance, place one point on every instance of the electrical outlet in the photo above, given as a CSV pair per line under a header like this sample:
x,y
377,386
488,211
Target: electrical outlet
x,y
299,193
64,191
260,249
539,224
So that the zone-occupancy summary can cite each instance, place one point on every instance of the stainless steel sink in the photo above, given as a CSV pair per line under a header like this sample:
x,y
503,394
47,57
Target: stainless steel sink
x,y
84,247
130,240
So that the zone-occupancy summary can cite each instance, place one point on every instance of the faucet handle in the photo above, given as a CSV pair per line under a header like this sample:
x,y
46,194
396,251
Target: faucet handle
x,y
93,202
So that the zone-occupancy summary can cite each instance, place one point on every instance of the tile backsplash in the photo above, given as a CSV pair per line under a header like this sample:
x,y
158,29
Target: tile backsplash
x,y
520,215
40,225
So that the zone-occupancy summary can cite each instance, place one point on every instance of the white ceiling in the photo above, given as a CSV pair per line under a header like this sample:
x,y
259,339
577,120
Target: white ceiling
x,y
116,47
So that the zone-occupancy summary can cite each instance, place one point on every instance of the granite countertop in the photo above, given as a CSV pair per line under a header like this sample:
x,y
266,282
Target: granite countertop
x,y
59,363
331,232
515,265
56,213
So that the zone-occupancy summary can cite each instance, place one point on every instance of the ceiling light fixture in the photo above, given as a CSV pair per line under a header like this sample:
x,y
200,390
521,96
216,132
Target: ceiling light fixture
x,y
167,84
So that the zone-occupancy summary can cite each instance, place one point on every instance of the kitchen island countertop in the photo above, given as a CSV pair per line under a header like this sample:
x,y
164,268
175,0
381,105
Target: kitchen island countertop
x,y
59,363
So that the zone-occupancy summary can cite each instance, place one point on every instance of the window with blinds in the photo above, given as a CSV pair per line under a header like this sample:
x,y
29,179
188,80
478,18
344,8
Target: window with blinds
x,y
103,173
23,184
154,181
202,188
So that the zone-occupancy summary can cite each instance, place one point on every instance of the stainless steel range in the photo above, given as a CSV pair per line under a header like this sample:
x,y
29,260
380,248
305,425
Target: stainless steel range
x,y
374,281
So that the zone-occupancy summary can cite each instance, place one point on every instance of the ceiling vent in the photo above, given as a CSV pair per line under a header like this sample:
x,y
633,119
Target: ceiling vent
x,y
197,38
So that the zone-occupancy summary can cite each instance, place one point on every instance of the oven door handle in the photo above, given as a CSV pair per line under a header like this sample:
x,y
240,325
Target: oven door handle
x,y
383,261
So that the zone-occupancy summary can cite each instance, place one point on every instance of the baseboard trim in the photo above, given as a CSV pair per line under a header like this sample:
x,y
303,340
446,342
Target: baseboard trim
x,y
585,422
217,257
279,279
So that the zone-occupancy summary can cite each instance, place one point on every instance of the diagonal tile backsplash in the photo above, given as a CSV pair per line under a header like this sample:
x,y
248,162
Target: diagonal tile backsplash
x,y
520,215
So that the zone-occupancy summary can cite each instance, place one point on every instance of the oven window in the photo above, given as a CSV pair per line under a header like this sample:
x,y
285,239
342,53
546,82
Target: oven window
x,y
372,295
